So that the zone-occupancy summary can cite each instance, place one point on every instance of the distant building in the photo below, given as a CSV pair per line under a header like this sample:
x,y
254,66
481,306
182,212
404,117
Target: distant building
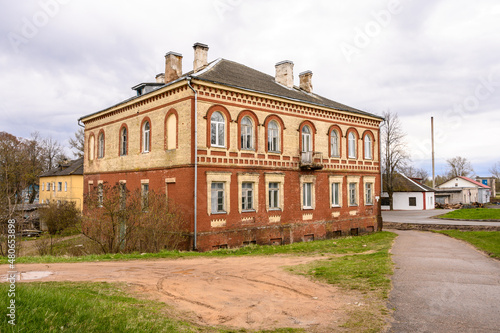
x,y
489,181
64,183
409,194
28,192
462,190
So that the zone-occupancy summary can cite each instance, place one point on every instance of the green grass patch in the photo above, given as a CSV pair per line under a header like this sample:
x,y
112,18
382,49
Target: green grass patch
x,y
488,241
342,245
473,214
367,273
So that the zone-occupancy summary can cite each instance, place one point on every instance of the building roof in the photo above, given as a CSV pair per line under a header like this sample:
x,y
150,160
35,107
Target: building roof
x,y
404,184
474,182
230,73
74,167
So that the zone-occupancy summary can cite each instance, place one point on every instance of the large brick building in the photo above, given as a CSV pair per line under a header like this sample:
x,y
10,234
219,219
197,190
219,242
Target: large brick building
x,y
250,157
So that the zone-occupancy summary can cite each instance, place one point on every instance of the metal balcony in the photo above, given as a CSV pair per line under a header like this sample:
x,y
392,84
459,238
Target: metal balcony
x,y
310,160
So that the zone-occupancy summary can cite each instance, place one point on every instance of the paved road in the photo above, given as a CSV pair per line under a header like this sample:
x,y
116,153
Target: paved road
x,y
425,217
443,285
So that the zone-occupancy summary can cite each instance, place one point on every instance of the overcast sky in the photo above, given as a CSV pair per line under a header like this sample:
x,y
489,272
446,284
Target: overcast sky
x,y
62,59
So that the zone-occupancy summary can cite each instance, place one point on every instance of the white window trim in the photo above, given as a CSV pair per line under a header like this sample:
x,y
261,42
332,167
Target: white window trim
x,y
353,179
252,139
334,152
340,180
371,180
308,179
248,178
351,153
223,177
275,178
146,140
278,129
223,123
368,148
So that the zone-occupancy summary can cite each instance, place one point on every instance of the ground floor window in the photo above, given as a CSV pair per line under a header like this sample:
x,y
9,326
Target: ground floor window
x,y
247,196
274,196
412,201
217,203
368,194
307,195
352,194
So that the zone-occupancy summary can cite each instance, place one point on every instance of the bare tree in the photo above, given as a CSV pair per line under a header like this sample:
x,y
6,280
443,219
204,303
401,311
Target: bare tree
x,y
395,155
495,170
52,153
413,172
459,166
77,143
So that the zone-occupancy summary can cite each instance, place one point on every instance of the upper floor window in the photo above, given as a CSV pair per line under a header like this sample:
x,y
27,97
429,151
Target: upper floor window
x,y
306,139
334,144
368,147
273,137
217,129
146,137
123,141
100,147
171,131
351,148
246,133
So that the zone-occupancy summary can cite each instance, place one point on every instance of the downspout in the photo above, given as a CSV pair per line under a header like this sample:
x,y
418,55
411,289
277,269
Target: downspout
x,y
195,145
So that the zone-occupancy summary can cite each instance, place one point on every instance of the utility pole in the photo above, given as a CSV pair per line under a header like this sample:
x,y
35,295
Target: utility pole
x,y
432,140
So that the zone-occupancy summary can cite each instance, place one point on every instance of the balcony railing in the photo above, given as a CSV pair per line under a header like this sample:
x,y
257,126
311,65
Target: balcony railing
x,y
311,160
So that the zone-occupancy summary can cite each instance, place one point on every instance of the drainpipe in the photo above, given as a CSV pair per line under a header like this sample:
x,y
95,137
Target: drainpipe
x,y
195,145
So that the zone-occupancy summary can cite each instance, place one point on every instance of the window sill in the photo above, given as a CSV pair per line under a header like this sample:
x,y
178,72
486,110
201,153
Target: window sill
x,y
218,213
248,210
307,208
274,210
274,152
353,205
369,204
336,206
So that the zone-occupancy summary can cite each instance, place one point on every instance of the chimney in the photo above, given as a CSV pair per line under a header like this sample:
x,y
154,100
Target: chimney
x,y
173,67
200,56
284,73
160,78
305,81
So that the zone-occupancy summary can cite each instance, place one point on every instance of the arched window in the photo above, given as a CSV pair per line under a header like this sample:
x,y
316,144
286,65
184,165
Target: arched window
x,y
368,147
146,137
91,147
100,146
273,137
217,129
306,139
171,132
246,133
334,144
351,145
123,142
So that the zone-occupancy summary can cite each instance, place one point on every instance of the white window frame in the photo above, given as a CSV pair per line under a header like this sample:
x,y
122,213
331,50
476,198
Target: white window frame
x,y
336,180
248,178
351,145
334,144
146,137
247,140
217,130
274,196
123,141
368,147
100,148
219,177
273,137
307,192
368,194
369,180
247,194
279,178
353,180
306,139
65,186
217,200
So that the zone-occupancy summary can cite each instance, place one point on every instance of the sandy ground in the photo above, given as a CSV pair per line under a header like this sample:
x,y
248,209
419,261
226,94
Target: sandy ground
x,y
238,292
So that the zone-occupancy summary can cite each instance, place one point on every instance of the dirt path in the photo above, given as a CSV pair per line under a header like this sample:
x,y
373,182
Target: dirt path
x,y
239,292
